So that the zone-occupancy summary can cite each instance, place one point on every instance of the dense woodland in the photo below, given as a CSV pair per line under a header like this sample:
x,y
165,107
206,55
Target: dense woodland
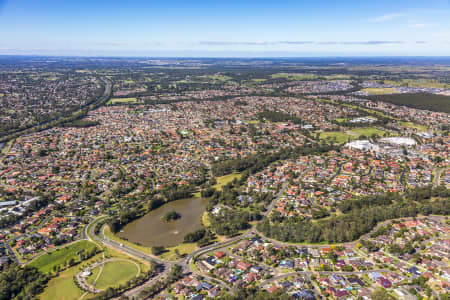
x,y
425,101
360,217
254,163
18,282
278,116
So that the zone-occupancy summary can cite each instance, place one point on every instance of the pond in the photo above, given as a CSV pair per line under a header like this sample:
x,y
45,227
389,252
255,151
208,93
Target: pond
x,y
151,230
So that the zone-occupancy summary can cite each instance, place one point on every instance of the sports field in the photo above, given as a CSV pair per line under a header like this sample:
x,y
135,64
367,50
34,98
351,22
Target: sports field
x,y
115,273
62,256
351,134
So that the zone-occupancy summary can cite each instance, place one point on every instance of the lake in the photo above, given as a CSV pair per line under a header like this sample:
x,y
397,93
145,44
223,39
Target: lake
x,y
151,230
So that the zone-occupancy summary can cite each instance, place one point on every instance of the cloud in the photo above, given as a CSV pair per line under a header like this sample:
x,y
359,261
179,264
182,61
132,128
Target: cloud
x,y
360,43
260,43
420,25
269,43
225,43
441,34
111,44
296,42
373,43
421,42
386,17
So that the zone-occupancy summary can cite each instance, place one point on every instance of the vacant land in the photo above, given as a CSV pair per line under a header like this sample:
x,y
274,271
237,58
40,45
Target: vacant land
x,y
62,256
426,83
224,180
295,76
121,101
380,91
415,125
221,181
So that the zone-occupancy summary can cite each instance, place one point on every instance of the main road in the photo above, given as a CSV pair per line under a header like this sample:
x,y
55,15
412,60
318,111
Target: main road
x,y
58,120
89,232
185,263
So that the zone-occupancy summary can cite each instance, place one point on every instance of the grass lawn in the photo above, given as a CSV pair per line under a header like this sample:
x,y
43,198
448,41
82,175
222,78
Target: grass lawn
x,y
221,181
340,137
193,266
116,273
205,219
367,131
253,122
183,249
19,257
427,83
380,91
58,257
338,76
94,274
169,255
294,76
7,146
258,79
63,286
224,180
112,252
217,77
113,237
415,125
121,100
352,134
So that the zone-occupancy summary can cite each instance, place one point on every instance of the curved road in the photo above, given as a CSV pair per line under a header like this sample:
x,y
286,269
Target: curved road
x,y
185,262
43,126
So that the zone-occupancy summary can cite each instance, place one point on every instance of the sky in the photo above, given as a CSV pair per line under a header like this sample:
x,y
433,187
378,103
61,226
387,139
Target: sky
x,y
231,28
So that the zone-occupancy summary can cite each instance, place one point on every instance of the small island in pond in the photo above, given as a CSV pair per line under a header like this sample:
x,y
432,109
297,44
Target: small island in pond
x,y
171,216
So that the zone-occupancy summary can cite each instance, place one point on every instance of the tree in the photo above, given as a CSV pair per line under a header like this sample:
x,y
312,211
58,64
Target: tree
x,y
381,294
20,283
175,273
157,250
171,216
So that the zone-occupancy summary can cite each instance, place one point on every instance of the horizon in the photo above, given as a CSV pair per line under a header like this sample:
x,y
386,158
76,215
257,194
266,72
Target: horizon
x,y
226,57
225,29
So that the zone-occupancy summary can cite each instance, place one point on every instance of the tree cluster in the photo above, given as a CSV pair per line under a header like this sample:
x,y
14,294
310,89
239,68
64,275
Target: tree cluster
x,y
360,217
